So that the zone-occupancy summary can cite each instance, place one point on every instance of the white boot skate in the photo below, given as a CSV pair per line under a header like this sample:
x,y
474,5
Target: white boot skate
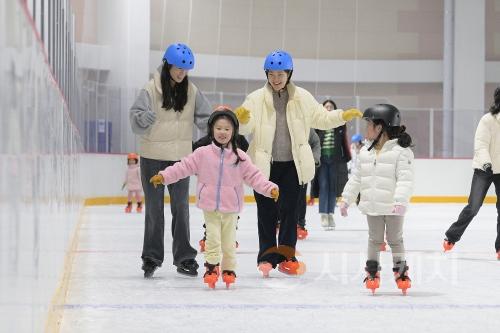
x,y
324,221
331,222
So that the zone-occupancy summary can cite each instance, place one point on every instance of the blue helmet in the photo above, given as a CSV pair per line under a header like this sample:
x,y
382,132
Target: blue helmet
x,y
179,55
357,138
278,60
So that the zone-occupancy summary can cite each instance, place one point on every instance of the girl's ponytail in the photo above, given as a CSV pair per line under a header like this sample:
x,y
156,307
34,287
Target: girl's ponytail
x,y
404,139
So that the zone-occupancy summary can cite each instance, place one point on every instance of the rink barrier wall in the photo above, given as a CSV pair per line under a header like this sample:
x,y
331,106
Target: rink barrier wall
x,y
436,181
102,201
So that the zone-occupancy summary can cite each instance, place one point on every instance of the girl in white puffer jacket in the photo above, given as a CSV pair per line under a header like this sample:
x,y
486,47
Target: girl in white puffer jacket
x,y
384,179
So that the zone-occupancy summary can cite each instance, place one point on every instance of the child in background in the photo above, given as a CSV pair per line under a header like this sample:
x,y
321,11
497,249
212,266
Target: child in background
x,y
133,183
222,169
356,145
384,177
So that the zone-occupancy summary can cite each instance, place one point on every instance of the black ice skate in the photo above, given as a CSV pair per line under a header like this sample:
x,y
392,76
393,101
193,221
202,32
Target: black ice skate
x,y
188,267
149,268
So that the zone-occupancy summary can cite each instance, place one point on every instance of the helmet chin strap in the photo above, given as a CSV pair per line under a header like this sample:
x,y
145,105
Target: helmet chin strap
x,y
374,143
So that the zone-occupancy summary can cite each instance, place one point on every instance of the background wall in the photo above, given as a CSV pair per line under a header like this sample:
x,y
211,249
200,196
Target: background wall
x,y
359,52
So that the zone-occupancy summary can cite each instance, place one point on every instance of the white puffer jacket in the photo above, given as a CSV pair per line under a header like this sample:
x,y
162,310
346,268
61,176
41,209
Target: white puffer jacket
x,y
384,179
487,143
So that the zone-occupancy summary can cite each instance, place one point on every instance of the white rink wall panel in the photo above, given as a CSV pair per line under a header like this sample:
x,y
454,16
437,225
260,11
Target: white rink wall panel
x,y
433,177
39,167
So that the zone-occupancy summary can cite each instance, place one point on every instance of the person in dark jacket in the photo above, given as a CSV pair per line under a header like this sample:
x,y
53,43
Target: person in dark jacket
x,y
332,174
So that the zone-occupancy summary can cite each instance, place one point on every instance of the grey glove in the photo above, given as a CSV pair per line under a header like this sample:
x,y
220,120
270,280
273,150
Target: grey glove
x,y
146,119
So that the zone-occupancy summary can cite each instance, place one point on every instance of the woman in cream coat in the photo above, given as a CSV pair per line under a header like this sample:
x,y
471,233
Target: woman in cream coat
x,y
486,164
384,179
162,116
280,116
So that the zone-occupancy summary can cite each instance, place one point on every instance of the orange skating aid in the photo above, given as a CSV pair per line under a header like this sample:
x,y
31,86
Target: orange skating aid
x,y
372,282
211,275
403,281
228,277
128,209
265,268
372,279
302,232
292,267
447,245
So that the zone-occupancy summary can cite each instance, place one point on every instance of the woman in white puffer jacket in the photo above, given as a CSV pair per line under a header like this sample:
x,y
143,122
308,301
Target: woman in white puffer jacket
x,y
486,165
384,179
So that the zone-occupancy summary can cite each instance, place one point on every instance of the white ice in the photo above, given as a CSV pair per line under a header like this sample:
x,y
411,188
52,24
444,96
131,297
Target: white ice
x,y
452,292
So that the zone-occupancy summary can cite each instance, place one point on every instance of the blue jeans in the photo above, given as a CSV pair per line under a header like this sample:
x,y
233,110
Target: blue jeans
x,y
327,186
481,181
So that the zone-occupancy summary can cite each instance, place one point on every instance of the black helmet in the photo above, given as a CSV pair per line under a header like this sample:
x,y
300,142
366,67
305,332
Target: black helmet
x,y
388,113
219,112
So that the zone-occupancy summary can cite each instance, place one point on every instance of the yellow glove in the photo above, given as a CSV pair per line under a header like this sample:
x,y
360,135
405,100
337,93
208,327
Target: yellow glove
x,y
350,114
156,180
275,193
242,114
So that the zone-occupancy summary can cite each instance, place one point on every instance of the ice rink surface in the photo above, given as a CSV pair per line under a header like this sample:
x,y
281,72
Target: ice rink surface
x,y
452,292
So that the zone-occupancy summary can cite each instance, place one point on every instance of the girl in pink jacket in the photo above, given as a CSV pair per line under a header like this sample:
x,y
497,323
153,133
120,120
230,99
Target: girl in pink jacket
x,y
221,169
133,182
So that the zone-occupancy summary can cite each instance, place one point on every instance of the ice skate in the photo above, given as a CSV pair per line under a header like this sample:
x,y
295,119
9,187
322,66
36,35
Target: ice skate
x,y
139,207
291,267
372,280
498,255
447,245
383,247
401,275
149,268
228,277
128,209
265,268
331,222
302,232
324,221
188,267
211,275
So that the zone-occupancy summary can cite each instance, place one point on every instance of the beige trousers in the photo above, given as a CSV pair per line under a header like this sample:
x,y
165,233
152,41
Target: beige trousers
x,y
221,239
392,226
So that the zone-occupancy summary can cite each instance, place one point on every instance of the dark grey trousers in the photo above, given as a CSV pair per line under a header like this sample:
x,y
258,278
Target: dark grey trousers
x,y
153,249
481,182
